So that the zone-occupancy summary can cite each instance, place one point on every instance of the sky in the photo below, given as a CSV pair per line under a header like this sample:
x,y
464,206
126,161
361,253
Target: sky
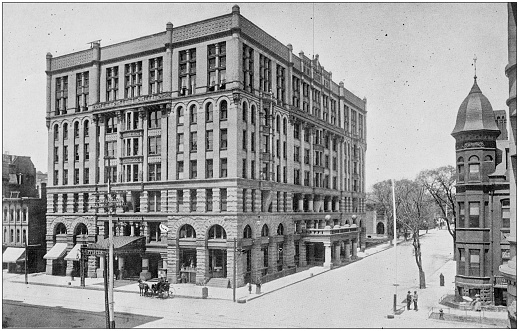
x,y
412,61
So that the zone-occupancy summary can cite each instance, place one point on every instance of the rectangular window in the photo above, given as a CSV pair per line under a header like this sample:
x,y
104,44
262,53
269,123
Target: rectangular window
x,y
180,143
244,200
86,176
473,214
193,142
461,215
61,95
82,83
307,178
252,169
154,201
248,68
252,142
280,82
265,74
133,79
65,177
180,199
253,199
461,261
154,119
111,123
192,200
154,144
155,76
65,203
55,203
154,172
474,262
297,154
76,176
209,140
187,71
223,139
86,152
192,169
180,116
223,168
86,205
180,169
223,199
209,168
505,214
111,148
193,114
307,156
216,66
65,153
56,154
111,173
244,140
112,83
244,168
209,199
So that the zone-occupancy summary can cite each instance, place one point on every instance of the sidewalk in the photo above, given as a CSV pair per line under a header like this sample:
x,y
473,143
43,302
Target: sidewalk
x,y
187,290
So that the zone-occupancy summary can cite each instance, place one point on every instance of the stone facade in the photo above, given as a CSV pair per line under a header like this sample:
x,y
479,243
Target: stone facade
x,y
199,141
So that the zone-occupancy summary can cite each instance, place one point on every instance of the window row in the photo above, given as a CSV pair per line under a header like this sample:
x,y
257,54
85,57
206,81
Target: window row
x,y
9,236
15,215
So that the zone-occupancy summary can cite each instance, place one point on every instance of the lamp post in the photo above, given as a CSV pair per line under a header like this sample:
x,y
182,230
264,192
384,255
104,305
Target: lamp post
x,y
111,204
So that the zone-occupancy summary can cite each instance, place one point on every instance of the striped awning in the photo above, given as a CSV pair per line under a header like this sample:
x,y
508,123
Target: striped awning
x,y
56,252
74,254
13,254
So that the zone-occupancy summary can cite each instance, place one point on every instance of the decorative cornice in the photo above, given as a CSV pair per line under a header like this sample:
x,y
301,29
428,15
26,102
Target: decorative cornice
x,y
133,101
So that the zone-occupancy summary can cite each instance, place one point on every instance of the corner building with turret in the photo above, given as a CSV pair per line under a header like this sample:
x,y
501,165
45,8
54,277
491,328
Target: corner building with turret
x,y
211,134
483,199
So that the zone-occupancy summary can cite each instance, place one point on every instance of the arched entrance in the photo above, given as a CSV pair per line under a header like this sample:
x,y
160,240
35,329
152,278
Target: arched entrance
x,y
380,228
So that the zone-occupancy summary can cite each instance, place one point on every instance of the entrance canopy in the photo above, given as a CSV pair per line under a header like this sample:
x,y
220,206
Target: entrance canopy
x,y
56,252
122,245
74,254
13,255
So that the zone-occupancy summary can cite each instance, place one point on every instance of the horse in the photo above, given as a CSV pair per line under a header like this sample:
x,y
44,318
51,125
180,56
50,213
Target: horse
x,y
143,288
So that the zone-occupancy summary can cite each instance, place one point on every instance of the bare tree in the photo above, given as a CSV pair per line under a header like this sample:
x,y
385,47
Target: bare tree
x,y
441,185
414,214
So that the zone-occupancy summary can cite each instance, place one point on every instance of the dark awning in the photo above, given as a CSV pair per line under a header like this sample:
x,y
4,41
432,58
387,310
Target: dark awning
x,y
122,245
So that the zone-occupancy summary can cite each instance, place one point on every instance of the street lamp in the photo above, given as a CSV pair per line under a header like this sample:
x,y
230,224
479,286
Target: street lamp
x,y
111,204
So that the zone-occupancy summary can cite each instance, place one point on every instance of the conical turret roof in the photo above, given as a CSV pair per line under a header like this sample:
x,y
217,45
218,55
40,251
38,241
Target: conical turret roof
x,y
475,113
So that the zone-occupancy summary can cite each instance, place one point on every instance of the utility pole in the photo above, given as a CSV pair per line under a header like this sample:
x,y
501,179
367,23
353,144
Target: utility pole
x,y
394,238
26,253
110,257
234,273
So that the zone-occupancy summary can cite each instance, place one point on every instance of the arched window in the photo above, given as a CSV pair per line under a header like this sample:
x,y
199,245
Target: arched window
x,y
217,232
253,114
488,158
209,112
192,114
281,230
61,229
11,215
180,115
76,129
461,169
247,232
187,231
223,110
24,215
65,131
56,132
474,168
244,111
285,126
18,215
85,129
265,231
278,123
81,229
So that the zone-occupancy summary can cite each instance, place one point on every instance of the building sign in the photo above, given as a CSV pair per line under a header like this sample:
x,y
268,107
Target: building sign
x,y
130,102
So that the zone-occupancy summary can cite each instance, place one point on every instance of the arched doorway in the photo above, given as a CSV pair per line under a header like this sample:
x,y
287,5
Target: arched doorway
x,y
380,228
216,242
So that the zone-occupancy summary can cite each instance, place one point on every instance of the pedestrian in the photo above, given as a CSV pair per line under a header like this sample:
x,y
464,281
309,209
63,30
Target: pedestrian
x,y
477,303
415,300
409,299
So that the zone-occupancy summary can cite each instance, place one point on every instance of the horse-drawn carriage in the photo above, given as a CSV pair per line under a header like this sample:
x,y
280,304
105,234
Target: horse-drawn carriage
x,y
161,289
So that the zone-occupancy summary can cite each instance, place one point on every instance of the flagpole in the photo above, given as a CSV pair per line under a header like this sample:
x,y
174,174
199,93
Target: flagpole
x,y
394,241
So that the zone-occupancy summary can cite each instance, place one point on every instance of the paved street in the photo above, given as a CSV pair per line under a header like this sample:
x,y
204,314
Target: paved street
x,y
359,295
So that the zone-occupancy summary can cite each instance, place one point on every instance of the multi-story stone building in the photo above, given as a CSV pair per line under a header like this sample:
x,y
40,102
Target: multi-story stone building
x,y
483,198
509,267
208,132
23,221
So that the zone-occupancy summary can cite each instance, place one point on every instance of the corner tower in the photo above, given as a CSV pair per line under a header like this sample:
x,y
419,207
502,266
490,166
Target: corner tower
x,y
476,133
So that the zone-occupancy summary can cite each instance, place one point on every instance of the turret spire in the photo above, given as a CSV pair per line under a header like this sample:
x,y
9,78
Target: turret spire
x,y
475,70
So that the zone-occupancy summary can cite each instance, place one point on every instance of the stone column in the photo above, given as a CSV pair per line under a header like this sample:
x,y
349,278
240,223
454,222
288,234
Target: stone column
x,y
273,257
354,248
311,201
327,255
257,262
202,263
338,252
301,203
329,205
132,229
347,248
302,254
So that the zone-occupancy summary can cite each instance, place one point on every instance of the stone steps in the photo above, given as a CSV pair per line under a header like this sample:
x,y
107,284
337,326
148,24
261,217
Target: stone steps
x,y
219,282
